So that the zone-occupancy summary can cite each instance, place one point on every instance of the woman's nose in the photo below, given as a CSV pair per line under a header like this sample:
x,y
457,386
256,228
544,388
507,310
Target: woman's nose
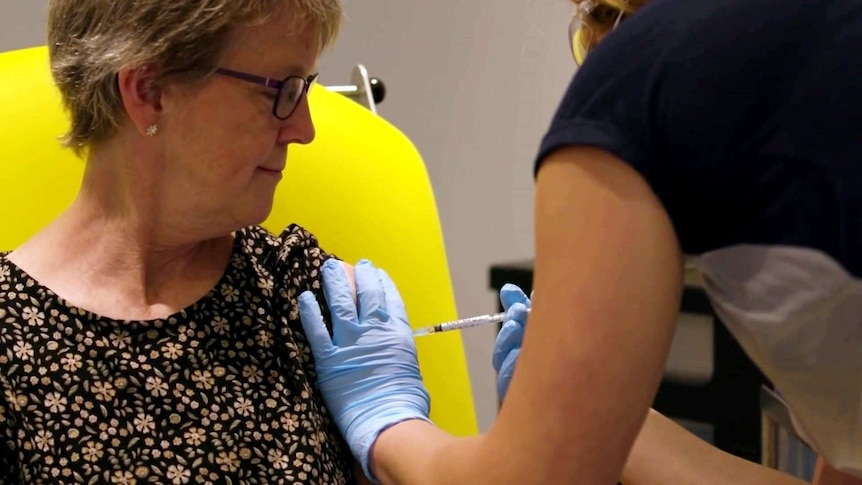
x,y
299,127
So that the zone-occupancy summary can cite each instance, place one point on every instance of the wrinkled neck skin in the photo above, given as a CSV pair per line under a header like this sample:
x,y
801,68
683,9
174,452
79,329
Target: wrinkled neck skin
x,y
131,202
129,187
133,231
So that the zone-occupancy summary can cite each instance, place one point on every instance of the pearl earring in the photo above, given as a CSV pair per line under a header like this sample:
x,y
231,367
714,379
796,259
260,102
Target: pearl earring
x,y
152,130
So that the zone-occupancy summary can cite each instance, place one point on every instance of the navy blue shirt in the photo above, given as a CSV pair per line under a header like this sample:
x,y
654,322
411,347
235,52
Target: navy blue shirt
x,y
743,115
745,118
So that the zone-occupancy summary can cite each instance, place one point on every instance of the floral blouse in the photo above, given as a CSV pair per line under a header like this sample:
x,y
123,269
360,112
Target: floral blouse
x,y
221,392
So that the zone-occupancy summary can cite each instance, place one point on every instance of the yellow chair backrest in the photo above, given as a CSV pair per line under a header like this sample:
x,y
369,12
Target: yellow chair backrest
x,y
360,187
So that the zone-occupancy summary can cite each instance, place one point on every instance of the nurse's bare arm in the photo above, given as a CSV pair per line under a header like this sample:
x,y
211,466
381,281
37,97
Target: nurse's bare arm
x,y
826,475
608,278
665,452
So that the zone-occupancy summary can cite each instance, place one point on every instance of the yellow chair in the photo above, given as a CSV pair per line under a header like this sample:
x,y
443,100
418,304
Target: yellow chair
x,y
360,187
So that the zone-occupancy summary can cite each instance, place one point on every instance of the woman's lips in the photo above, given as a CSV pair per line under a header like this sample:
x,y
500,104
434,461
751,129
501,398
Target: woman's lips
x,y
270,171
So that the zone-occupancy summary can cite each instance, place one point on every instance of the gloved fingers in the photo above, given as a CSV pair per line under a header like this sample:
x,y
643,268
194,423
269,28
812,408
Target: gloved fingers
x,y
394,303
510,337
507,370
370,293
511,294
338,291
313,324
517,312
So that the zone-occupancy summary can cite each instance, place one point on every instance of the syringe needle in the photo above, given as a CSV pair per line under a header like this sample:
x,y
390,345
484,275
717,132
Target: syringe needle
x,y
478,321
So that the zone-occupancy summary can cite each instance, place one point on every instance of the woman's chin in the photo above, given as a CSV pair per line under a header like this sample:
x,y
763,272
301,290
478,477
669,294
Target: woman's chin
x,y
255,213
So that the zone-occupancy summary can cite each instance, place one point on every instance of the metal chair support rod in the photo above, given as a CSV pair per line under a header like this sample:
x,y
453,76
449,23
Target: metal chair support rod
x,y
366,91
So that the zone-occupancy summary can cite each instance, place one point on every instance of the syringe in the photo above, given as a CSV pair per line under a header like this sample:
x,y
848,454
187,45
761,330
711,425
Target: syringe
x,y
479,321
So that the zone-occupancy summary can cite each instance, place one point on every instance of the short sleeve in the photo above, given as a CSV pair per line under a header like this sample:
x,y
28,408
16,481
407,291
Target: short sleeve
x,y
683,92
298,259
288,264
298,262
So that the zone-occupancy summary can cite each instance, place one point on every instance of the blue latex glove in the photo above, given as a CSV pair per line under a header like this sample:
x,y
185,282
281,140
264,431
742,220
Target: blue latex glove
x,y
368,372
507,347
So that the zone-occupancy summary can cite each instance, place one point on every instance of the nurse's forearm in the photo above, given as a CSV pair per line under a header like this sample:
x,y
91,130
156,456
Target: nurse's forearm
x,y
826,475
418,453
665,452
415,452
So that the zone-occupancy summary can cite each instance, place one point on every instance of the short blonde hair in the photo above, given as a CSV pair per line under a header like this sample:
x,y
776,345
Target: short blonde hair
x,y
89,41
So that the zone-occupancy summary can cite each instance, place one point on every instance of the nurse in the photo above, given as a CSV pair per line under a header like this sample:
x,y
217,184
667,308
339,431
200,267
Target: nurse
x,y
722,131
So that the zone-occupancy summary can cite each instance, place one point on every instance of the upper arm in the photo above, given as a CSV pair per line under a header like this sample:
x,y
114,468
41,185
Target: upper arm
x,y
608,276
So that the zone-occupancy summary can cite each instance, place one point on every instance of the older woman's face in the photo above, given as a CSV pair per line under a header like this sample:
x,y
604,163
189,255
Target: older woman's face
x,y
224,149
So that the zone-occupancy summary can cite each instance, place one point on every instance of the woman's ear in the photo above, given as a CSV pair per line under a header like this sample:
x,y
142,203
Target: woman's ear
x,y
141,96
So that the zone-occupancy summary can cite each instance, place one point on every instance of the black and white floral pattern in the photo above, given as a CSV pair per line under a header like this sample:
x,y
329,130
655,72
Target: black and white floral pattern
x,y
222,392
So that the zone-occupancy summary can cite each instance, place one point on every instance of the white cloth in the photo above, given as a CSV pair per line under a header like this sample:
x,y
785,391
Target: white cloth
x,y
798,315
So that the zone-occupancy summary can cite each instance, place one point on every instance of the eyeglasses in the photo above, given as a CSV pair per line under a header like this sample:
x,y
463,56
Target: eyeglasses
x,y
580,32
289,90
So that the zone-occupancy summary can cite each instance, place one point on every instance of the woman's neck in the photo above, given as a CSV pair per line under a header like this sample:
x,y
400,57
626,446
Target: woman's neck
x,y
125,248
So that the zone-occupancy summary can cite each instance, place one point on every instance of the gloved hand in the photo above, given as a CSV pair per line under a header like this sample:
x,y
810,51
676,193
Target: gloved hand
x,y
368,372
507,347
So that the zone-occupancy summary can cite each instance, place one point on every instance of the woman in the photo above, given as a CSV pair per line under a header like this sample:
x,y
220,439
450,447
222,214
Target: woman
x,y
150,333
724,130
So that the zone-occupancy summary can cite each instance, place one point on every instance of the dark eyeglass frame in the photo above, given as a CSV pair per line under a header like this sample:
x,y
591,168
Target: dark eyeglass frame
x,y
276,84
